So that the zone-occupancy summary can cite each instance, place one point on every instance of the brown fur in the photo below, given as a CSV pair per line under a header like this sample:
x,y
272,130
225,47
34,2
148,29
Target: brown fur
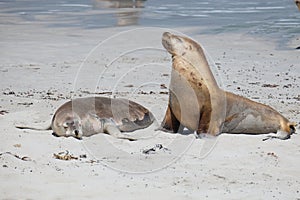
x,y
196,101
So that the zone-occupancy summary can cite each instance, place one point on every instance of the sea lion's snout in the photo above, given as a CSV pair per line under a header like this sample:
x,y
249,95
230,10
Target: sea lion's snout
x,y
77,134
166,41
171,38
175,44
166,35
171,42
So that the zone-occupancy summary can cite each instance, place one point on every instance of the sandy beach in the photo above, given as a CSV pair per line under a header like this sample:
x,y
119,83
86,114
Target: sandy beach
x,y
41,68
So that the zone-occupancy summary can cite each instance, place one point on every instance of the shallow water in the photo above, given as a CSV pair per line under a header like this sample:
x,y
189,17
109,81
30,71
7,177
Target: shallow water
x,y
277,18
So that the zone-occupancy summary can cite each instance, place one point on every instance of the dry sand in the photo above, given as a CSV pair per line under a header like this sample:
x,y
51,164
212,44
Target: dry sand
x,y
42,67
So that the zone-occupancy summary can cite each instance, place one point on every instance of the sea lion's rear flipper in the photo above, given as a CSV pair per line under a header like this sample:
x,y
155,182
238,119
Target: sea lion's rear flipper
x,y
170,123
284,133
39,127
279,135
128,125
111,128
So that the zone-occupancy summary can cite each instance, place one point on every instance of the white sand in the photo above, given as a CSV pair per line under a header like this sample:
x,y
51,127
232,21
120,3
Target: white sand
x,y
40,68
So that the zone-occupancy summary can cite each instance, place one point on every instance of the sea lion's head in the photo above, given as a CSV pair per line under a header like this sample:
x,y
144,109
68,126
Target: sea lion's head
x,y
179,45
67,125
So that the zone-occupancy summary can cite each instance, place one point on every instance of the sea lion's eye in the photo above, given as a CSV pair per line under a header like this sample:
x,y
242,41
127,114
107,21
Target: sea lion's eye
x,y
65,125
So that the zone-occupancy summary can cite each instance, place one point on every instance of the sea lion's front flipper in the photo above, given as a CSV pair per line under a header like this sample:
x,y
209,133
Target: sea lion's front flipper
x,y
111,128
170,123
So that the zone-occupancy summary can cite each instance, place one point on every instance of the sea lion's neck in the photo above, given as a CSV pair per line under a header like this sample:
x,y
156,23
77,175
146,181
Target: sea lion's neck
x,y
199,62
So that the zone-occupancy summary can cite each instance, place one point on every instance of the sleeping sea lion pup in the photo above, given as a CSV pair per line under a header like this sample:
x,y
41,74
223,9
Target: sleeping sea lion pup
x,y
92,115
197,103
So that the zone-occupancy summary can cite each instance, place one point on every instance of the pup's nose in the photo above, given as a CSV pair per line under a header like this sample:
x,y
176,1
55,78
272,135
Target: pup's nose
x,y
77,134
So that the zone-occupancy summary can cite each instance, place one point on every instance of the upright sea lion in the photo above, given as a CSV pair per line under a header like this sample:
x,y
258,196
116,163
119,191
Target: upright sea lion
x,y
197,103
92,115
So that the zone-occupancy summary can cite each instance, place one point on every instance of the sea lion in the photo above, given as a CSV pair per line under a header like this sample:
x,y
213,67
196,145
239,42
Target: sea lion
x,y
197,103
92,115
